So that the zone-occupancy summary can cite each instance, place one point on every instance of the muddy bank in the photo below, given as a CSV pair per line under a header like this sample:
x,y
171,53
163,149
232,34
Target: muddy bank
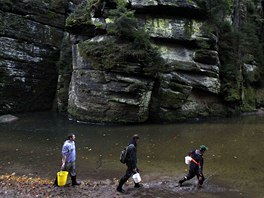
x,y
12,185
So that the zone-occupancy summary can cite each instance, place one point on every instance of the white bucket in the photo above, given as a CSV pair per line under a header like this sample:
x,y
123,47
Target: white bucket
x,y
188,160
136,177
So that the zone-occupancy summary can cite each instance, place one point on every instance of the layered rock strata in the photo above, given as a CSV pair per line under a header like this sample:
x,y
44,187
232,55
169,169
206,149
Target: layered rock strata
x,y
30,35
185,86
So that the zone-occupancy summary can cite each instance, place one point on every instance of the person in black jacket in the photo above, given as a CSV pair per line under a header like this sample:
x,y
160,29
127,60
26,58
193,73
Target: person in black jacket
x,y
131,162
196,166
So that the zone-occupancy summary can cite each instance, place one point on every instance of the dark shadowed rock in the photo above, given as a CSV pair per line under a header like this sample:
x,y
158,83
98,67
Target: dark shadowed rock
x,y
30,35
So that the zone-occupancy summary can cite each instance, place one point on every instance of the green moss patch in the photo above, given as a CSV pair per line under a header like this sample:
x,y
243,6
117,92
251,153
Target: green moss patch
x,y
113,53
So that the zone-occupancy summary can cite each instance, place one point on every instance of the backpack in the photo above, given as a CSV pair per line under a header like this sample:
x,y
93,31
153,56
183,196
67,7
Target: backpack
x,y
123,155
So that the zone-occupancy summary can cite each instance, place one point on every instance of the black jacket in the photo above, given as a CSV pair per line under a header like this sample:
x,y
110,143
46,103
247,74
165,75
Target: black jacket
x,y
198,157
131,160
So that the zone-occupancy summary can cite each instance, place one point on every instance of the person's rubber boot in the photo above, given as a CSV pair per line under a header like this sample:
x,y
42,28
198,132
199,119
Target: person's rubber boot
x,y
182,180
200,182
119,187
55,182
138,185
74,181
199,185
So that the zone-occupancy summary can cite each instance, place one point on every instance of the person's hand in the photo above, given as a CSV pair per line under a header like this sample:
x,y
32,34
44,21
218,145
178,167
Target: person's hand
x,y
135,170
62,165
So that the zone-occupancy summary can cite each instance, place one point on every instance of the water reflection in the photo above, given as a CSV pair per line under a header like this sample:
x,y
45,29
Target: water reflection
x,y
32,145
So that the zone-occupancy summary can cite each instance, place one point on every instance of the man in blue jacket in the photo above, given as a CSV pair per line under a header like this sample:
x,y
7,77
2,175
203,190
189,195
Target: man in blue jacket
x,y
68,159
196,166
131,162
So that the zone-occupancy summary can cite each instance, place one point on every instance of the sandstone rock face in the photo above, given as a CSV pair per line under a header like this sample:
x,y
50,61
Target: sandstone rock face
x,y
185,86
107,96
38,57
30,35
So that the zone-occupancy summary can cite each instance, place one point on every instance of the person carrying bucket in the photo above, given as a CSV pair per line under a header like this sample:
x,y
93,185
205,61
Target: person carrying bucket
x,y
196,166
131,162
68,159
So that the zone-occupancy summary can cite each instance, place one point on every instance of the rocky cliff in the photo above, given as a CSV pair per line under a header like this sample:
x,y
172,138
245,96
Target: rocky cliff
x,y
131,61
30,35
184,85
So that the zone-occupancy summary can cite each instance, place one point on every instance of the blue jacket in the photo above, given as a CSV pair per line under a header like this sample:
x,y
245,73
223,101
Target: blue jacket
x,y
68,149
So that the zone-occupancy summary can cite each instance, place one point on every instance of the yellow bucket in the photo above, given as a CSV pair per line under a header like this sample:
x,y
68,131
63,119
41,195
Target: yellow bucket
x,y
62,178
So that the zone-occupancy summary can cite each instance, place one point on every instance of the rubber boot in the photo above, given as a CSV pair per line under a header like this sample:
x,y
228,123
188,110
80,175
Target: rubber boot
x,y
55,182
119,187
182,180
74,181
138,185
200,181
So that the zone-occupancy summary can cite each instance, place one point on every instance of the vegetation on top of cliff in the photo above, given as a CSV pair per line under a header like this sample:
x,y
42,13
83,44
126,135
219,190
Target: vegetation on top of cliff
x,y
84,11
127,43
79,17
124,23
114,53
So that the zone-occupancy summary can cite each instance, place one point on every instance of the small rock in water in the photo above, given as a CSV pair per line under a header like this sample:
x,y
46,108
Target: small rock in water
x,y
8,118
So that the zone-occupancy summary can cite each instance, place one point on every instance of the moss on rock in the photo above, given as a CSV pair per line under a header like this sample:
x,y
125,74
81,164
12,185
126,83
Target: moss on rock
x,y
249,100
113,53
260,98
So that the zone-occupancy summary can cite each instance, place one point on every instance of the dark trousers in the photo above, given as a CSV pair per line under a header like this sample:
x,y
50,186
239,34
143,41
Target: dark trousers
x,y
193,173
129,173
70,167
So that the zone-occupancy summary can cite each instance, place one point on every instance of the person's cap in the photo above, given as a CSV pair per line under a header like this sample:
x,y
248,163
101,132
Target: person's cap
x,y
203,147
135,136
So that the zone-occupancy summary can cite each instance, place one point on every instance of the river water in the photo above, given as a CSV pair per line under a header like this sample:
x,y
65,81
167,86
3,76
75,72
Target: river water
x,y
32,146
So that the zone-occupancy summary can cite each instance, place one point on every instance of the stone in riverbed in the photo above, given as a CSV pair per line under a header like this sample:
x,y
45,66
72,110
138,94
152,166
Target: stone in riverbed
x,y
8,118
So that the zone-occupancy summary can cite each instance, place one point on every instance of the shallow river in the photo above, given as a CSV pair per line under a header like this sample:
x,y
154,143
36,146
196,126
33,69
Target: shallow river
x,y
32,146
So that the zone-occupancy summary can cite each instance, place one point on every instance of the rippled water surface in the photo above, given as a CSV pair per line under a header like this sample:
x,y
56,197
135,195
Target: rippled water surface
x,y
32,146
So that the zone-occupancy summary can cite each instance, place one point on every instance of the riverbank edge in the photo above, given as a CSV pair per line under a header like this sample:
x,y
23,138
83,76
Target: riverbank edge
x,y
12,185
